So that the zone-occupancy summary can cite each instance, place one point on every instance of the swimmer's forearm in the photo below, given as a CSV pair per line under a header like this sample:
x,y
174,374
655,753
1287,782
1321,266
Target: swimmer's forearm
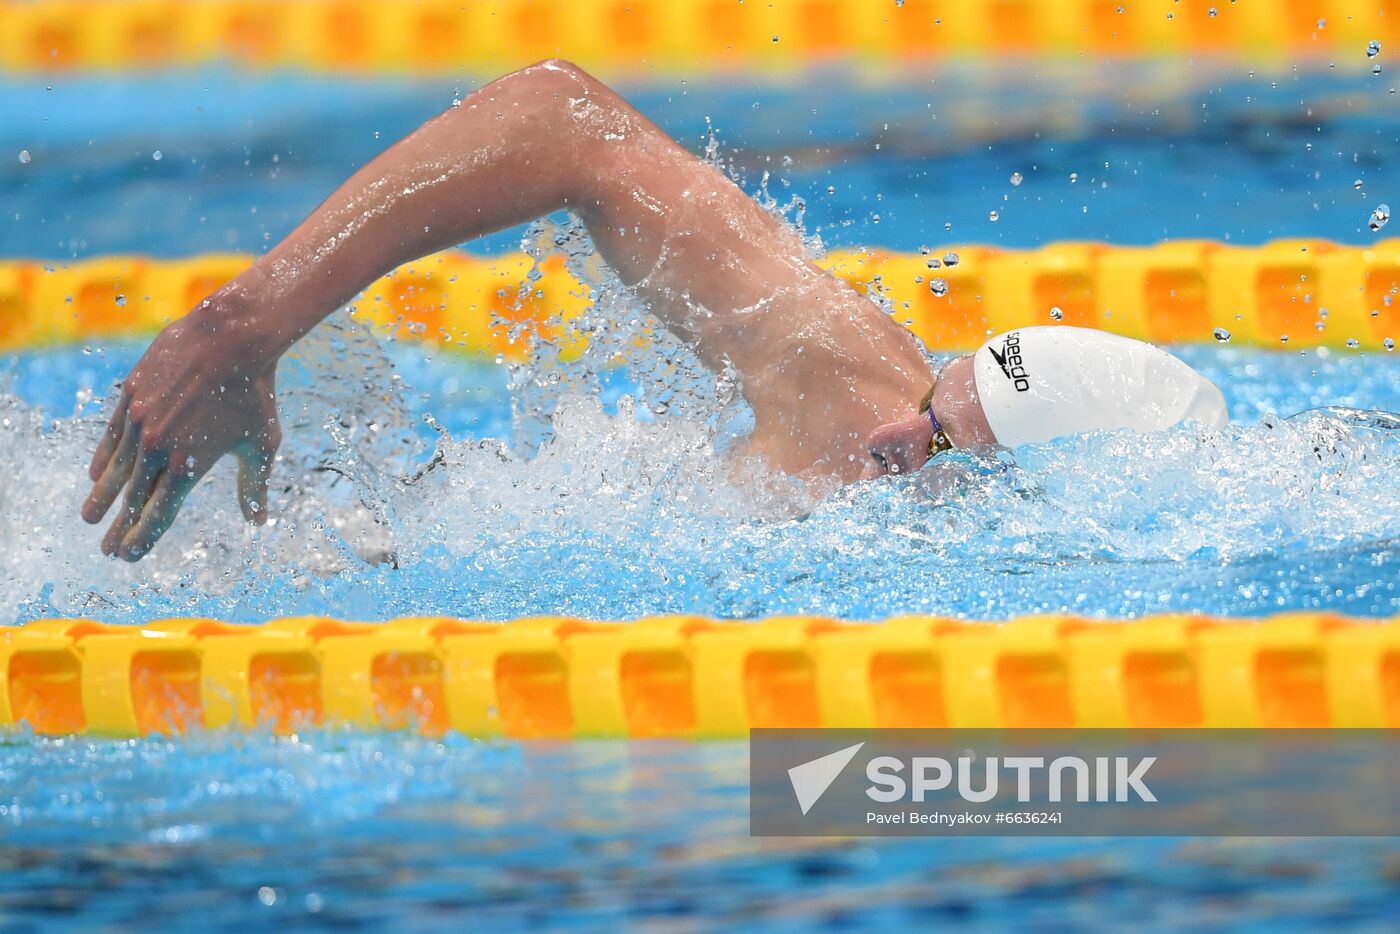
x,y
499,159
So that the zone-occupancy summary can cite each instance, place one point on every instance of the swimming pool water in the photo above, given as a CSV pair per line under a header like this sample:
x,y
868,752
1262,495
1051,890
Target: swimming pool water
x,y
393,833
388,831
621,513
601,493
1130,153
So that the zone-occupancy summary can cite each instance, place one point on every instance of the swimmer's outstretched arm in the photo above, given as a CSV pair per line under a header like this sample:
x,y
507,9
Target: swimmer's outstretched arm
x,y
546,138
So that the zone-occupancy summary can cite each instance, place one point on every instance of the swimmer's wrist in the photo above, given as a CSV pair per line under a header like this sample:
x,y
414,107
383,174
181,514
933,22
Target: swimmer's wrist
x,y
235,321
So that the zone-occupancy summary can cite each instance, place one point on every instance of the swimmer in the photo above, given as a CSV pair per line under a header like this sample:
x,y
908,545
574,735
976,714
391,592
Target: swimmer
x,y
839,390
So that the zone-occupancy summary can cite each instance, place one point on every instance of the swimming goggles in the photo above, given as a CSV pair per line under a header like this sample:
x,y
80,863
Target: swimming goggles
x,y
938,442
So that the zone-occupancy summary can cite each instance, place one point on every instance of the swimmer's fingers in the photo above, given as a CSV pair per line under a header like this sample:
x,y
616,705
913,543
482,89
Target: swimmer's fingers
x,y
108,445
150,466
160,512
254,468
114,476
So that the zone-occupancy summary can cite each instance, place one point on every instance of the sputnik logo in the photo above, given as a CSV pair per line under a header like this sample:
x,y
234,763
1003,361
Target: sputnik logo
x,y
810,780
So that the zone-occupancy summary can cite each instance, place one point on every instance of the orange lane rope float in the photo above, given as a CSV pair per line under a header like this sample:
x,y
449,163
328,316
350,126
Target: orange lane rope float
x,y
1285,295
694,677
493,36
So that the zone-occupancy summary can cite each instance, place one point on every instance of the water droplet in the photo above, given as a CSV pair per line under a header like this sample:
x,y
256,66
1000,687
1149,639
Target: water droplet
x,y
1213,11
1376,68
1222,335
933,262
1322,24
950,258
1016,178
157,155
500,358
939,287
24,157
775,38
1388,343
1380,216
1057,314
1373,48
993,216
121,301
923,251
1356,184
1073,177
831,189
1353,343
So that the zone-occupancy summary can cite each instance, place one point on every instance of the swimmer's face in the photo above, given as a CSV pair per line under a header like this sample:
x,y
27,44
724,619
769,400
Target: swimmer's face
x,y
903,447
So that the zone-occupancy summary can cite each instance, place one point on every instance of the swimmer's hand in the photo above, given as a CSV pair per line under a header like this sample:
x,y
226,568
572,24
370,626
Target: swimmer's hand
x,y
197,394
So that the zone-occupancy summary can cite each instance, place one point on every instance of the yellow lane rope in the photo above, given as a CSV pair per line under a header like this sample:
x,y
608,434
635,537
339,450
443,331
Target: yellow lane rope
x,y
693,677
1287,294
492,36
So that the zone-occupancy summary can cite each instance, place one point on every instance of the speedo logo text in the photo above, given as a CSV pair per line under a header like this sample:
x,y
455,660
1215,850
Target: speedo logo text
x,y
1010,361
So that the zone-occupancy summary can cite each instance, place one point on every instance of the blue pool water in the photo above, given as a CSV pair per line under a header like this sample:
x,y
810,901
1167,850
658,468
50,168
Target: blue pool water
x,y
596,492
621,513
1156,150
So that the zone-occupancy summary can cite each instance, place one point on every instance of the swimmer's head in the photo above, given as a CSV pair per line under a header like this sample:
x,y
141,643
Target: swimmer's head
x,y
950,415
1039,383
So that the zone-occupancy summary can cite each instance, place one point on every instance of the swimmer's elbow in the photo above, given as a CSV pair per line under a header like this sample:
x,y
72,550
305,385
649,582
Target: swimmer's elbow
x,y
558,76
551,96
565,68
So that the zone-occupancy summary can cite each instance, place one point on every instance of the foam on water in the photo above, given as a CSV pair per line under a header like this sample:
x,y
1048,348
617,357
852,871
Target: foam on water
x,y
616,492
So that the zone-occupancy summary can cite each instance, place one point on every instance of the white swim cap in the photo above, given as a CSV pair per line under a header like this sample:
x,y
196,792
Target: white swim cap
x,y
1040,383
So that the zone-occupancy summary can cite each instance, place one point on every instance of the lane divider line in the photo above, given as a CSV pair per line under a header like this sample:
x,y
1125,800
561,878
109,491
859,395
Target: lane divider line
x,y
495,36
694,677
1284,295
